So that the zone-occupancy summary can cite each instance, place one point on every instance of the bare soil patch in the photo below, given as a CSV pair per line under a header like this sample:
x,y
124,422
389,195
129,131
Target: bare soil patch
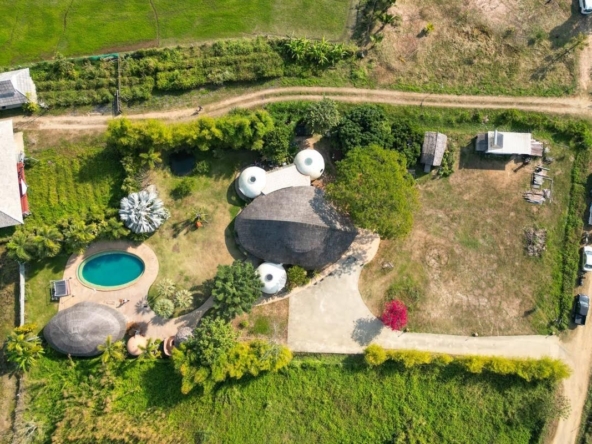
x,y
269,321
489,47
464,267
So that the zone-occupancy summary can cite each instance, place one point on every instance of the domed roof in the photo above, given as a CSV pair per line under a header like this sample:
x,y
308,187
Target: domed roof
x,y
78,330
134,343
273,276
183,334
252,181
310,163
294,226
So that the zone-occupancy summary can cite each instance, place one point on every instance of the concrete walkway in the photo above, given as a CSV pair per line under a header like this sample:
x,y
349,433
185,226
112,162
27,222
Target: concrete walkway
x,y
331,317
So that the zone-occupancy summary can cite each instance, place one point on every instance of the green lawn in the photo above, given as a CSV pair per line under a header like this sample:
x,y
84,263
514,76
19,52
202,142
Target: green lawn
x,y
323,400
36,29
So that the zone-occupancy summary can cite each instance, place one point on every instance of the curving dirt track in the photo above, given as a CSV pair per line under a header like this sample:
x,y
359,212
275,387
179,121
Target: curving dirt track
x,y
578,344
569,105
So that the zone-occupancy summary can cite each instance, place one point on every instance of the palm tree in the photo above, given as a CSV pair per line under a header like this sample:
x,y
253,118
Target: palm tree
x,y
47,241
112,351
114,229
150,159
23,349
151,351
19,247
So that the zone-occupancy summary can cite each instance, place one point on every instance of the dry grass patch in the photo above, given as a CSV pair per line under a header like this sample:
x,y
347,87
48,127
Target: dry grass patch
x,y
269,321
464,269
482,47
190,256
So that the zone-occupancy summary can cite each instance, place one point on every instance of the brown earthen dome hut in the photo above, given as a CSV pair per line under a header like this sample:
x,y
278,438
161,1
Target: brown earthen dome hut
x,y
78,330
295,226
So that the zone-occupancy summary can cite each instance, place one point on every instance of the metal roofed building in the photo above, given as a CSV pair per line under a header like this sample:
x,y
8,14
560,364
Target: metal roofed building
x,y
16,89
432,150
507,144
12,188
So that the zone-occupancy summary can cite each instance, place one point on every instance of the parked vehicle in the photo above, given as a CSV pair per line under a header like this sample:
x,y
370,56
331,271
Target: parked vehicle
x,y
581,308
587,259
586,7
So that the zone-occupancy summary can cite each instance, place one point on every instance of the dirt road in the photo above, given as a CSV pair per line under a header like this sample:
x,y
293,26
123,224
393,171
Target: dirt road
x,y
568,105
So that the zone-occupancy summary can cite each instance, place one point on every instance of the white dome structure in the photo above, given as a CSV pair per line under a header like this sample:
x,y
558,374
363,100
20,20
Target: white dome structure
x,y
273,277
310,163
252,181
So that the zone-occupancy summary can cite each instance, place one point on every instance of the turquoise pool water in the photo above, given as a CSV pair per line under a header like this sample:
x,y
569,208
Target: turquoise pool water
x,y
110,270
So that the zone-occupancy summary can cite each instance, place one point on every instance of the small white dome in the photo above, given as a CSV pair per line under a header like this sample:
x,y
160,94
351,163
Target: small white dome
x,y
310,163
273,277
252,181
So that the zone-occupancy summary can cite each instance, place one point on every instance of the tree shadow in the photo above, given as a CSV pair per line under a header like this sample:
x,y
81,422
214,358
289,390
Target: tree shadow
x,y
366,329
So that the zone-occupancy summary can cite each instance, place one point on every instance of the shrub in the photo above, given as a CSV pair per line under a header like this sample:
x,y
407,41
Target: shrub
x,y
165,289
447,166
23,347
202,167
164,308
183,188
363,126
408,140
297,277
183,299
212,339
276,144
375,355
235,288
394,315
321,117
31,108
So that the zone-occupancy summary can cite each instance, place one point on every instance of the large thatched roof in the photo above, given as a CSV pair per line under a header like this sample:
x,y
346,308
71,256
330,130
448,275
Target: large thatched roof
x,y
294,226
78,330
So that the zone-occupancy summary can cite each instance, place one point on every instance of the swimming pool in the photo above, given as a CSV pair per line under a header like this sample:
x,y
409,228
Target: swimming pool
x,y
110,270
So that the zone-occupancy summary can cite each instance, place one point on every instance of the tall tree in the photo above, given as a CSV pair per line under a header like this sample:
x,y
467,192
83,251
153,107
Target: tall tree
x,y
374,187
235,288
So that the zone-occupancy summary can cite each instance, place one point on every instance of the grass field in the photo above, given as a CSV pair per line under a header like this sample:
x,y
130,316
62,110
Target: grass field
x,y
36,29
324,399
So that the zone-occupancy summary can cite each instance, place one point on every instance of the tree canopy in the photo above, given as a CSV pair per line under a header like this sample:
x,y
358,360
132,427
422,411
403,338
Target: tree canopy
x,y
362,126
321,117
374,187
235,288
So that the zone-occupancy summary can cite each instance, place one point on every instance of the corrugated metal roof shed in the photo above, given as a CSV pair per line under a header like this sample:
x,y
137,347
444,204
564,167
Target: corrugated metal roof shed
x,y
432,151
14,88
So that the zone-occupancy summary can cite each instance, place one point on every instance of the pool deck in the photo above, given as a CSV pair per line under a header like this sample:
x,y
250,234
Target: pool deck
x,y
137,309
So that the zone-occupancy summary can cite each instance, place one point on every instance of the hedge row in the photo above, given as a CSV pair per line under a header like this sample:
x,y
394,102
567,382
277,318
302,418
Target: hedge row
x,y
527,369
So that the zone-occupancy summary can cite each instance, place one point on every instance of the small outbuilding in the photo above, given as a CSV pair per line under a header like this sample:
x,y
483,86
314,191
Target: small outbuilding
x,y
14,204
508,144
273,277
16,89
80,329
432,150
251,182
310,163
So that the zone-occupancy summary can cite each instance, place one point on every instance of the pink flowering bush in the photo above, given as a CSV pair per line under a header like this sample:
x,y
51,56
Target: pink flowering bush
x,y
394,315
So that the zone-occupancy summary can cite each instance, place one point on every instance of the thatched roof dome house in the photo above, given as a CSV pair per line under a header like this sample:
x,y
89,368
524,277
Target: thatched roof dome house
x,y
252,181
310,163
134,343
78,330
273,277
294,226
